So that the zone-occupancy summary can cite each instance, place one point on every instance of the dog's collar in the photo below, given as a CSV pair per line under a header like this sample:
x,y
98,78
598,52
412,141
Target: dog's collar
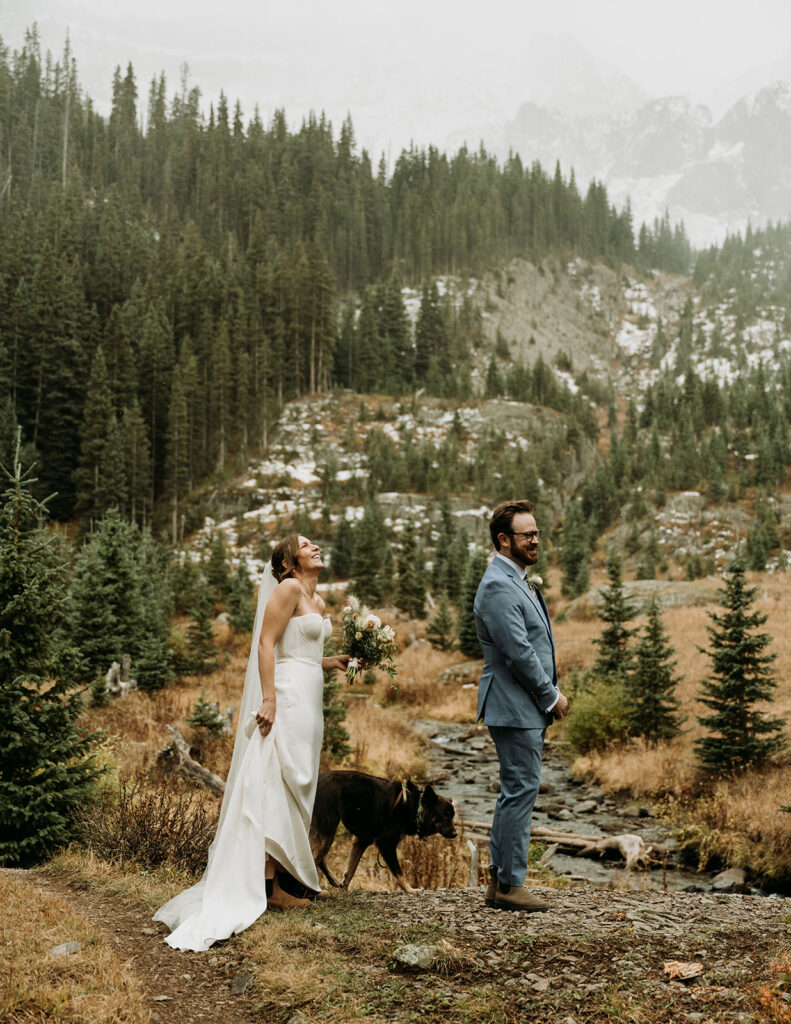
x,y
419,816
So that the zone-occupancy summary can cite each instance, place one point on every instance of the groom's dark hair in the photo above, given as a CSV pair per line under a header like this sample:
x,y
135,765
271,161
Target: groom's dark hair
x,y
503,516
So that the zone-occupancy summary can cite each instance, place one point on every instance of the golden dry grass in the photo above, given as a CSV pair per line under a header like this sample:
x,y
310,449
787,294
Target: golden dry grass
x,y
422,689
93,984
130,887
383,742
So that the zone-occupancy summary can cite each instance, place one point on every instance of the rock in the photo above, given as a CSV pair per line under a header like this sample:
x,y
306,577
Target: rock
x,y
596,794
561,814
585,806
148,931
65,949
730,880
545,787
414,956
540,985
241,983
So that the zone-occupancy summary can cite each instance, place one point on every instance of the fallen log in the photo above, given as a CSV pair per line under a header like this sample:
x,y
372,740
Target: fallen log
x,y
635,852
632,848
177,755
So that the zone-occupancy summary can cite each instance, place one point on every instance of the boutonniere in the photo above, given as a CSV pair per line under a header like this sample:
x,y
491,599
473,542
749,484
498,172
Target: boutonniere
x,y
534,581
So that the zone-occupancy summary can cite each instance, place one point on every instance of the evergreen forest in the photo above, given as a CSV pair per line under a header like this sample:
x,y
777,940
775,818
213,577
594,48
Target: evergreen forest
x,y
169,278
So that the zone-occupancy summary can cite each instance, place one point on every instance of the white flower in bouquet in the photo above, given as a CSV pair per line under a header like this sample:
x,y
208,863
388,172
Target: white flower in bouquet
x,y
367,641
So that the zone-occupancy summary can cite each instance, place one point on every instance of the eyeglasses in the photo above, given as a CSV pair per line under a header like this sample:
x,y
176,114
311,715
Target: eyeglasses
x,y
530,535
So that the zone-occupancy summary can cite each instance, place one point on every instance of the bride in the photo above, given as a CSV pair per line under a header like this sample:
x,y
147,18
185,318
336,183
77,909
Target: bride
x,y
262,832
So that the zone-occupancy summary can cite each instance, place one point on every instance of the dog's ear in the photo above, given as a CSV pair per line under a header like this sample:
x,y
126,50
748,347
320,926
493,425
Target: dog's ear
x,y
429,796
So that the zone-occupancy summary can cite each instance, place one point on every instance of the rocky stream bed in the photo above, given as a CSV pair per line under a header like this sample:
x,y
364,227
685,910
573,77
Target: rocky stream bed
x,y
463,763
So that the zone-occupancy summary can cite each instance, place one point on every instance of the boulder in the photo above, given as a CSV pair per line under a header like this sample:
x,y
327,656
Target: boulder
x,y
65,949
732,880
417,957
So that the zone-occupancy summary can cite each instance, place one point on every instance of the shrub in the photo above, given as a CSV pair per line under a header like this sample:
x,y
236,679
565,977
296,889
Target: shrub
x,y
150,825
598,717
206,715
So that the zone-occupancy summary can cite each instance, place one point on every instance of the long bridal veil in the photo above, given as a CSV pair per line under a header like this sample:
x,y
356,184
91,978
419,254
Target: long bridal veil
x,y
190,903
251,698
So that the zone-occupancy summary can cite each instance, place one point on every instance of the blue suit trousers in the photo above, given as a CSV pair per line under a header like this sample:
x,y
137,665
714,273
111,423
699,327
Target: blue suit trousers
x,y
519,751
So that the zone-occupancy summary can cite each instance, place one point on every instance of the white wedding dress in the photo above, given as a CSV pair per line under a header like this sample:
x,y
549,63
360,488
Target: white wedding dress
x,y
268,801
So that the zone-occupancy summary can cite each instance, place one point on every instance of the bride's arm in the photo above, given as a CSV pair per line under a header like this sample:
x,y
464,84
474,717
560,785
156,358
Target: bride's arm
x,y
279,609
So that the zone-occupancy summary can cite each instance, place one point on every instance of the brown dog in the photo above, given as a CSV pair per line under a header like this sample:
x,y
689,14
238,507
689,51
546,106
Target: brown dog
x,y
376,811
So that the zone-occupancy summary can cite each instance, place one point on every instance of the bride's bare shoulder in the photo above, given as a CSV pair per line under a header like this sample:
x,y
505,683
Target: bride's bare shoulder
x,y
285,595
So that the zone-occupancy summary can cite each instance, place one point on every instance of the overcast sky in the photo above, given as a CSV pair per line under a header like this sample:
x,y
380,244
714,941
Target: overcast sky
x,y
416,59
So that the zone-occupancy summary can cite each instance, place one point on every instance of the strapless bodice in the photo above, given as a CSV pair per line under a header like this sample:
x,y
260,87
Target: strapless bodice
x,y
303,637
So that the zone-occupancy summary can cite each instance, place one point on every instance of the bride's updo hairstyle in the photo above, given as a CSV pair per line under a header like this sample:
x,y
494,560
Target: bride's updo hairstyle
x,y
284,557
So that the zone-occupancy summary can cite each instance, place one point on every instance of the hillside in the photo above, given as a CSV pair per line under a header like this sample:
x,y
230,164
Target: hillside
x,y
609,344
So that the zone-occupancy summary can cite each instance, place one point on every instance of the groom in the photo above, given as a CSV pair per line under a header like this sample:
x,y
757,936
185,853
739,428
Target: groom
x,y
518,694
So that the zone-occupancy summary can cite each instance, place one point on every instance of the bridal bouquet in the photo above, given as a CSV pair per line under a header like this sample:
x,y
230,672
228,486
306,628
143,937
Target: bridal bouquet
x,y
366,639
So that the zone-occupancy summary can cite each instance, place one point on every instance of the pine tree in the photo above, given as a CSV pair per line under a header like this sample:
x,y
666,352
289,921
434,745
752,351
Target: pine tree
x,y
342,551
241,598
107,607
440,631
335,742
456,566
494,379
177,458
206,715
218,575
93,443
650,694
152,666
137,460
439,563
574,556
410,590
740,733
46,763
614,657
369,564
468,636
200,635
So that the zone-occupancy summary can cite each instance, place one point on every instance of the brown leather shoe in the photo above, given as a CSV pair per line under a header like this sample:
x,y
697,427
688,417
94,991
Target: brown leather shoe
x,y
491,888
282,900
516,897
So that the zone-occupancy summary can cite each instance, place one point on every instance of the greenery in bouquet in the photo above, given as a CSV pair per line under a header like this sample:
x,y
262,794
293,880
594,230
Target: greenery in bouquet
x,y
367,640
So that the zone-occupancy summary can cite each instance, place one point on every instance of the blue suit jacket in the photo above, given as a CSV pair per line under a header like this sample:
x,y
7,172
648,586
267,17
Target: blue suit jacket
x,y
519,675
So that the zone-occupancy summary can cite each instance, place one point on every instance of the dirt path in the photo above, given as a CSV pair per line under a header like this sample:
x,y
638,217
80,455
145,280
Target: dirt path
x,y
181,987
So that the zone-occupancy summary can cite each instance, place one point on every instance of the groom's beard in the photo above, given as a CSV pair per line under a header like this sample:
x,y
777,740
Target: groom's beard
x,y
524,558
